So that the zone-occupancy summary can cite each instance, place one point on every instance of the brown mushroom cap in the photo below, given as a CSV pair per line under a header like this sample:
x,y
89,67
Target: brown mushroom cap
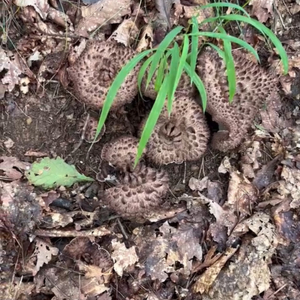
x,y
121,152
254,86
181,137
95,70
138,192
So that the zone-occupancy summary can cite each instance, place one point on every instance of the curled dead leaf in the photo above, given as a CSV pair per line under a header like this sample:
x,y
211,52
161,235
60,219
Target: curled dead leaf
x,y
100,13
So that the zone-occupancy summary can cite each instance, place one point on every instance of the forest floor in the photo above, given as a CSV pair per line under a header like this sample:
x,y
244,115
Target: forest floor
x,y
233,230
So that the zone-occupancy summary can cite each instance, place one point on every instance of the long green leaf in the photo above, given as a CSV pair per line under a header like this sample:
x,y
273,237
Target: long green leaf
x,y
161,72
184,53
229,61
172,74
160,50
232,39
263,29
224,4
194,44
198,83
113,90
220,52
143,71
152,118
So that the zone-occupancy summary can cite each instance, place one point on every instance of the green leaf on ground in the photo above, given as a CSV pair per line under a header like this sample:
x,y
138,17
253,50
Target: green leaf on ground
x,y
51,173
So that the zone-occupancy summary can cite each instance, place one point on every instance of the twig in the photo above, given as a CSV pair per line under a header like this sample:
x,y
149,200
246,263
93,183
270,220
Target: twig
x,y
280,18
122,229
82,136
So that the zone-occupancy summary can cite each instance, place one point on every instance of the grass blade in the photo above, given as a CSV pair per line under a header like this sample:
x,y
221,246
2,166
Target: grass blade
x,y
113,90
198,83
172,74
220,52
194,44
160,50
262,28
178,71
143,71
230,68
161,72
232,39
224,4
152,118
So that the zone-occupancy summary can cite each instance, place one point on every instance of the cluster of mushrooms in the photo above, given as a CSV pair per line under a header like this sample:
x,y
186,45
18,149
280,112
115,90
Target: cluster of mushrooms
x,y
181,137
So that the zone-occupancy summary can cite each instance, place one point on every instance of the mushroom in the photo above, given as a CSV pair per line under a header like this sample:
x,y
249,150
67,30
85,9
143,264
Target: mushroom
x,y
138,193
121,152
254,87
181,137
96,68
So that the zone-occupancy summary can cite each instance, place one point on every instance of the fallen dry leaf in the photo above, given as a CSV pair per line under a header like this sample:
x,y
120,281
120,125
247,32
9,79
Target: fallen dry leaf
x,y
205,281
57,220
262,9
286,221
43,252
248,273
35,153
92,287
173,246
9,143
200,14
164,9
154,251
60,281
7,193
225,166
123,257
242,195
60,18
265,176
93,261
146,39
11,77
41,6
126,33
100,13
289,185
24,85
12,167
197,184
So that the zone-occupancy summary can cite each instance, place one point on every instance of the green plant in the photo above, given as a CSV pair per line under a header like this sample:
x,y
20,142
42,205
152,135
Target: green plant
x,y
51,173
169,62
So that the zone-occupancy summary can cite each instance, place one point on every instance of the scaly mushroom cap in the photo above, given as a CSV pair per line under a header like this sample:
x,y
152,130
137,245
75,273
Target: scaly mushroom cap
x,y
95,70
181,137
121,152
138,192
254,87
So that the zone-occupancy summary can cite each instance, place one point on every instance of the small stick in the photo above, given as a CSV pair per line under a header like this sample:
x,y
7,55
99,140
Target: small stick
x,y
280,18
122,229
82,135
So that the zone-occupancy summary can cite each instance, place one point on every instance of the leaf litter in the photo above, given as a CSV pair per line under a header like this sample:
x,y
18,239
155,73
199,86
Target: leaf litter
x,y
236,232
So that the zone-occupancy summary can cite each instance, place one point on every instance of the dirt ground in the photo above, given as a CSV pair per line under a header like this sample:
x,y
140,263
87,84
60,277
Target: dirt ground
x,y
233,228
